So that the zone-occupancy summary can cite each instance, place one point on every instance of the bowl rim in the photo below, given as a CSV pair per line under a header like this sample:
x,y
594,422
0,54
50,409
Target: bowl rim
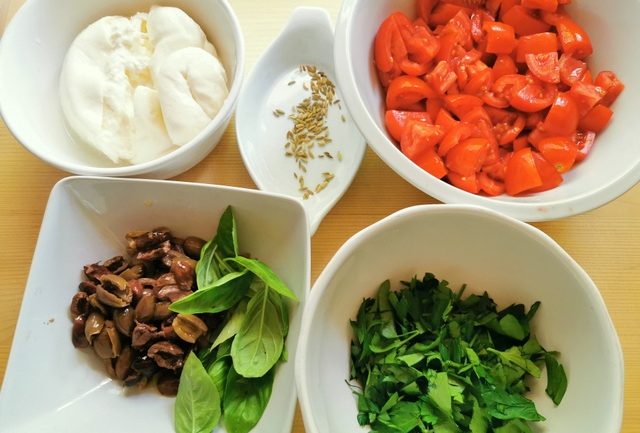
x,y
542,210
225,112
425,211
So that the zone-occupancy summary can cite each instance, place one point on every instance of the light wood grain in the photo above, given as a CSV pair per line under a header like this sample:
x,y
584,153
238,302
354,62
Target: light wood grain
x,y
605,241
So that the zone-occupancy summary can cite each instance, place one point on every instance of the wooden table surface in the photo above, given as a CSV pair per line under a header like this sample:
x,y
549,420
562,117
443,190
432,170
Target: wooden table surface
x,y
605,242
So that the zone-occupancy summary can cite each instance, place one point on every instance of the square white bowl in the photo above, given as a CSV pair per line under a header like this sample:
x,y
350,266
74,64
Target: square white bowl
x,y
49,385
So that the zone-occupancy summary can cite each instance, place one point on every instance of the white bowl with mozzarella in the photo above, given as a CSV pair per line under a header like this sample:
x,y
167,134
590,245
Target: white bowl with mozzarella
x,y
139,96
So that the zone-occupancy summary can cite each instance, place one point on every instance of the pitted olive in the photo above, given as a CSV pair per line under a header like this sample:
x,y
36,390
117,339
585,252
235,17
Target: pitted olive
x,y
78,337
79,304
189,327
107,343
192,247
93,326
114,291
123,363
146,307
124,319
166,355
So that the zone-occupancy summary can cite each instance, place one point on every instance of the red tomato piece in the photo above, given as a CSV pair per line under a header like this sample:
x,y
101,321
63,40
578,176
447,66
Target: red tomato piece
x,y
508,130
441,78
548,174
584,141
498,169
520,143
545,5
597,119
424,8
405,91
418,136
395,121
586,96
571,69
534,119
468,157
430,162
443,13
523,22
534,96
490,186
521,174
574,40
478,18
545,67
608,81
501,38
445,120
480,83
504,65
382,53
506,5
465,183
563,116
433,107
538,43
560,151
461,104
457,134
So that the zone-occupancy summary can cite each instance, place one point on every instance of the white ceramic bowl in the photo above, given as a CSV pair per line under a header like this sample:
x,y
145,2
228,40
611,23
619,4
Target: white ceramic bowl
x,y
513,261
33,48
614,163
49,385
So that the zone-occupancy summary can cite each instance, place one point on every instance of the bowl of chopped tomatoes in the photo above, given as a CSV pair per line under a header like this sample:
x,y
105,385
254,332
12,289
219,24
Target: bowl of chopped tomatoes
x,y
523,106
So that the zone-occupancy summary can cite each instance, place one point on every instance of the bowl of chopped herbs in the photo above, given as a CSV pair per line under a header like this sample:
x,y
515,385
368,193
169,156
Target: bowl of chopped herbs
x,y
455,318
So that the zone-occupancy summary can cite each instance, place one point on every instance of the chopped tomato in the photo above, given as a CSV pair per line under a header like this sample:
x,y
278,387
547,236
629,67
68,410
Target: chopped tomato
x,y
501,38
480,83
584,141
504,65
468,157
457,134
571,69
405,91
560,151
545,5
574,40
521,174
507,130
537,43
545,67
441,78
548,174
534,96
597,119
445,120
424,8
490,186
520,142
461,104
612,86
433,107
383,53
395,121
563,116
586,96
523,22
418,136
430,162
465,183
444,12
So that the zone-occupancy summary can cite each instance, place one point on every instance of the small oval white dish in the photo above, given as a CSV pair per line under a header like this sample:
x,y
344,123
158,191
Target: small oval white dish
x,y
272,103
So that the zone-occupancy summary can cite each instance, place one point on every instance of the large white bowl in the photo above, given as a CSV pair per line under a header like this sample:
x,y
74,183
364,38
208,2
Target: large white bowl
x,y
33,48
50,386
513,261
614,163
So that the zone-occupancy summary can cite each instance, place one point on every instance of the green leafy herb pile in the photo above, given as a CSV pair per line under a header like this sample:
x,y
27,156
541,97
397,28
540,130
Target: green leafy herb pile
x,y
233,378
430,361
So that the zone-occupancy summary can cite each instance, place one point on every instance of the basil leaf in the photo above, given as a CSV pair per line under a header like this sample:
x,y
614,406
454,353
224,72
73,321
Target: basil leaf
x,y
232,326
227,236
207,271
218,372
265,273
245,400
556,379
197,407
502,405
513,356
259,342
220,296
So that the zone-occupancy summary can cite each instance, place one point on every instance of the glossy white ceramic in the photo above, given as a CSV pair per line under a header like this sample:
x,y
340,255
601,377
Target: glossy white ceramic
x,y
614,163
276,83
31,54
513,261
50,386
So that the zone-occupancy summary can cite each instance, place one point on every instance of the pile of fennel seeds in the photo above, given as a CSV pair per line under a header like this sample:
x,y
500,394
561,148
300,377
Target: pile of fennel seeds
x,y
310,131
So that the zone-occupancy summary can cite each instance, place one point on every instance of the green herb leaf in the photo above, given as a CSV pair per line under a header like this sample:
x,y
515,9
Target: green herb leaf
x,y
514,426
265,273
556,379
502,405
227,236
207,271
232,326
218,372
222,295
259,342
245,400
197,407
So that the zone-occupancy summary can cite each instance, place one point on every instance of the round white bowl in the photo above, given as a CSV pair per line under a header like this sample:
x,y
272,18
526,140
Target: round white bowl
x,y
33,48
513,261
613,166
